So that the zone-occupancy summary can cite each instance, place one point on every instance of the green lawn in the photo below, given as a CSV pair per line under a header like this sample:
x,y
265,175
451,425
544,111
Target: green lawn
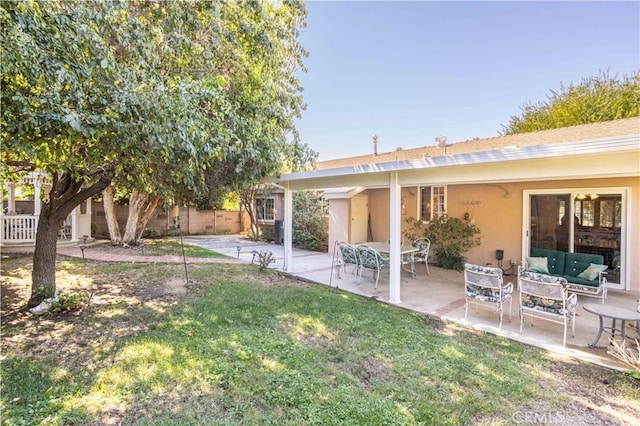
x,y
164,246
243,347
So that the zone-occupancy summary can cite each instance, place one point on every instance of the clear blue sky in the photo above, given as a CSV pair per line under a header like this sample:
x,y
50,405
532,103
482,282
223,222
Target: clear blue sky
x,y
409,71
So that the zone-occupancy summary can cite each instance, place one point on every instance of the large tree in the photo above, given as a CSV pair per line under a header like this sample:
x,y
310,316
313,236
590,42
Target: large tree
x,y
262,94
594,99
133,90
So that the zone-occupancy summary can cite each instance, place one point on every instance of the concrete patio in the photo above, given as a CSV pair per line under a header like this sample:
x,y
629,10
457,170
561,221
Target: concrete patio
x,y
441,295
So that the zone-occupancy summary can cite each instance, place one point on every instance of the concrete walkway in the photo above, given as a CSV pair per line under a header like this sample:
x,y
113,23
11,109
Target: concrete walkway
x,y
438,295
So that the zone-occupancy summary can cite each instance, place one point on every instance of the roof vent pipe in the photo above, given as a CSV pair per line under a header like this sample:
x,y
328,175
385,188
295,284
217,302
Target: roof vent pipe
x,y
375,144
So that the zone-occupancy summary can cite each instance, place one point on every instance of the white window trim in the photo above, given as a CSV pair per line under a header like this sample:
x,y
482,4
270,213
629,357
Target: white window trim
x,y
625,237
431,212
266,221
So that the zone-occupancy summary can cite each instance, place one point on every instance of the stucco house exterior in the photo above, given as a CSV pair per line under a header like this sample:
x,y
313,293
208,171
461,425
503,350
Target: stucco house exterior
x,y
571,189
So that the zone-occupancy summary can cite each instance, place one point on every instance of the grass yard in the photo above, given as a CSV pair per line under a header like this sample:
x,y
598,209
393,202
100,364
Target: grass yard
x,y
166,246
236,346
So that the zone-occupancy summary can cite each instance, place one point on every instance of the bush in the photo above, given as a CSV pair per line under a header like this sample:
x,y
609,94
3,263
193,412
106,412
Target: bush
x,y
450,237
67,303
310,221
151,233
267,233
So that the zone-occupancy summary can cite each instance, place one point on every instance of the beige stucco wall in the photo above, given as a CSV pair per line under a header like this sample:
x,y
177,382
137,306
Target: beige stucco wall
x,y
500,218
338,221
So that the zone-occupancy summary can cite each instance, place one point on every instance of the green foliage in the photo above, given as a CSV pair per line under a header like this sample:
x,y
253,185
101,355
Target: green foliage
x,y
310,220
67,302
165,97
267,233
151,233
231,201
595,99
450,237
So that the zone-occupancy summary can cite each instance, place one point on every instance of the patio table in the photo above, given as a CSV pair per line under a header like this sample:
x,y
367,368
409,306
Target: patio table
x,y
384,248
615,313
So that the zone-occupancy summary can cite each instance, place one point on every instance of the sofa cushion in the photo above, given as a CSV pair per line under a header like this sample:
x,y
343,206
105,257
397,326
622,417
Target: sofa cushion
x,y
575,263
538,264
489,294
549,305
592,272
555,260
581,281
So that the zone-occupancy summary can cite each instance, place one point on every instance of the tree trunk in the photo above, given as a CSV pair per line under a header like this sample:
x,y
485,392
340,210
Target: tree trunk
x,y
141,208
147,212
43,276
110,215
67,192
247,198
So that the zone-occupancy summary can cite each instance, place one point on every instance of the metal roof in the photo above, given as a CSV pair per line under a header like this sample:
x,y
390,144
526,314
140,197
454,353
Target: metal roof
x,y
627,143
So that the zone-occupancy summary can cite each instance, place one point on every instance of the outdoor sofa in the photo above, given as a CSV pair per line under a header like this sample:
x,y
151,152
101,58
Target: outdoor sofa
x,y
584,272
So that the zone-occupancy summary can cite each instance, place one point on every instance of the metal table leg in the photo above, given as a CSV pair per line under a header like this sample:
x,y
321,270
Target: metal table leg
x,y
595,341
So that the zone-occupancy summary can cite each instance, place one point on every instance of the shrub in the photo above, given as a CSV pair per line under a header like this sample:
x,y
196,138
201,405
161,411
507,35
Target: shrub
x,y
67,303
450,237
310,221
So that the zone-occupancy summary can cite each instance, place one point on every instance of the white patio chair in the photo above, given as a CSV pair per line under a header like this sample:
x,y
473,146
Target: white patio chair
x,y
546,297
349,256
422,255
371,259
483,286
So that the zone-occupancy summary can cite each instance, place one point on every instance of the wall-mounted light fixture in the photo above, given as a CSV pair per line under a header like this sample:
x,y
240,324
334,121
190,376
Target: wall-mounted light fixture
x,y
587,197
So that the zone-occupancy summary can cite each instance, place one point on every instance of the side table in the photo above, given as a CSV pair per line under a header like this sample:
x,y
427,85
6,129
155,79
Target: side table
x,y
615,313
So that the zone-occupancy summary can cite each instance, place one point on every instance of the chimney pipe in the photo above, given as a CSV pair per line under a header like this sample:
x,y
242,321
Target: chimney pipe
x,y
442,141
375,144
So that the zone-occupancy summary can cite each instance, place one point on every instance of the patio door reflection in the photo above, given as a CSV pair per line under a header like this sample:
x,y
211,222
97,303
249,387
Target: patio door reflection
x,y
600,228
580,223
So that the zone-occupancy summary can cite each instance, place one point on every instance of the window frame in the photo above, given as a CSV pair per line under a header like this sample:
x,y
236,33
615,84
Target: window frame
x,y
437,207
262,209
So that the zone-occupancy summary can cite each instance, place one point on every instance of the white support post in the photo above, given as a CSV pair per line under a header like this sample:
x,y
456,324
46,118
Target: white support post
x,y
37,202
11,198
74,223
288,229
395,231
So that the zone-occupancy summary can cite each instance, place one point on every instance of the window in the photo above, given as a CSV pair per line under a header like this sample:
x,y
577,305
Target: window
x,y
585,212
265,208
433,202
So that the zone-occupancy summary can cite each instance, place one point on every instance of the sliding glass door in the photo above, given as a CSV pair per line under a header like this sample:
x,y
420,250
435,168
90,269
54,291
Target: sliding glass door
x,y
580,221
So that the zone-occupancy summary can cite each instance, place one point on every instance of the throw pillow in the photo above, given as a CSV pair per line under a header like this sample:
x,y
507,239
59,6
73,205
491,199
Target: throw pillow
x,y
592,272
537,264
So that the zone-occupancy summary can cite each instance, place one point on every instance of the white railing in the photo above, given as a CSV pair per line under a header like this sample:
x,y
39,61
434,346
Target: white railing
x,y
18,228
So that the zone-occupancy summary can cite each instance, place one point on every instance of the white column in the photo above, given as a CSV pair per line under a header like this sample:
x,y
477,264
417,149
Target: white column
x,y
395,234
288,229
88,212
37,202
11,198
74,223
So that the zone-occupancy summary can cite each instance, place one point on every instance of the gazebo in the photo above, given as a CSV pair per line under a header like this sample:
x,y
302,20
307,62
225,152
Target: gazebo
x,y
19,217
